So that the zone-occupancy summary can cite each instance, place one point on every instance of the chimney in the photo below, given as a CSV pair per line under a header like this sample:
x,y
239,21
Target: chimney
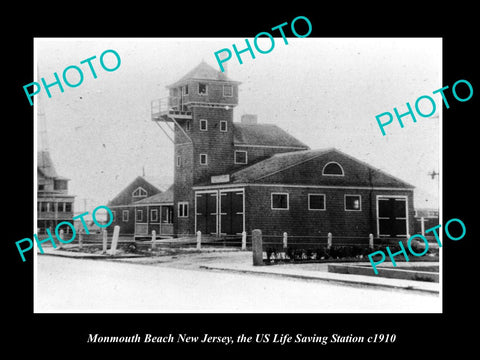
x,y
249,119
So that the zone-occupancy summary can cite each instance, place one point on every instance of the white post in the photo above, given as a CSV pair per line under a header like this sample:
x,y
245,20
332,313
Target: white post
x,y
329,240
370,240
113,246
80,239
104,241
60,244
199,240
285,240
244,240
154,237
422,222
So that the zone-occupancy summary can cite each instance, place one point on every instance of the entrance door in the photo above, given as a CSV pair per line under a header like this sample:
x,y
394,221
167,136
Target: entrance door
x,y
206,212
392,216
231,212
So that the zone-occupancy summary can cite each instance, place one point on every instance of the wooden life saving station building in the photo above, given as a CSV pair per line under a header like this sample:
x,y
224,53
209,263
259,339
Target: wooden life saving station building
x,y
231,177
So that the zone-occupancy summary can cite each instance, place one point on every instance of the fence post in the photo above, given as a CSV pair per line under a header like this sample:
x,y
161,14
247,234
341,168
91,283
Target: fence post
x,y
154,237
113,246
60,244
257,247
104,241
329,240
370,241
244,240
80,240
199,240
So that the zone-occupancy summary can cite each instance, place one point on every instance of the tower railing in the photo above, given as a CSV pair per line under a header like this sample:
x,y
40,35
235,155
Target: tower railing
x,y
164,108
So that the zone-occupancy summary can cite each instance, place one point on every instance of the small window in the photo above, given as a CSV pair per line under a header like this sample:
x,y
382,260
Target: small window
x,y
316,202
203,159
203,125
125,215
353,202
202,89
139,215
240,157
52,207
43,206
279,201
185,90
41,187
332,169
60,206
179,161
183,209
114,215
223,126
187,125
227,90
139,192
68,207
153,215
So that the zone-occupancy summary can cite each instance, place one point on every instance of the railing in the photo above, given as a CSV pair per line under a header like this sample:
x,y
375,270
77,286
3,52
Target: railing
x,y
167,106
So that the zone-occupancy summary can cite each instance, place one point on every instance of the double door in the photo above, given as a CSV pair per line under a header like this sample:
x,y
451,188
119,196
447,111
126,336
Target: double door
x,y
220,212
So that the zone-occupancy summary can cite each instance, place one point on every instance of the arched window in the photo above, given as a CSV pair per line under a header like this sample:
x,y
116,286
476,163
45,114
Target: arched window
x,y
333,169
139,193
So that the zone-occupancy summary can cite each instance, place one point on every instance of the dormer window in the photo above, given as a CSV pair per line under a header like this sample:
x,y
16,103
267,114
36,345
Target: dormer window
x,y
333,169
139,193
202,89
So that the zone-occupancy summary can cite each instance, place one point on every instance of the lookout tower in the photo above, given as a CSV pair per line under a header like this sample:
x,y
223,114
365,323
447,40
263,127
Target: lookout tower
x,y
199,114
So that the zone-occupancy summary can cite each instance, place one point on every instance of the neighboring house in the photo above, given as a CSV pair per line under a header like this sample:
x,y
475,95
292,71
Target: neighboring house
x,y
232,177
123,206
54,204
155,213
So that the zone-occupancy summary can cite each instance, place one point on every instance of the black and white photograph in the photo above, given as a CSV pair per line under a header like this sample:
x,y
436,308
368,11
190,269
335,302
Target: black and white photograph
x,y
269,180
218,178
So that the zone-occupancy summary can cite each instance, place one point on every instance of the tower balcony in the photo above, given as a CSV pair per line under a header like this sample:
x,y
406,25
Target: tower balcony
x,y
169,107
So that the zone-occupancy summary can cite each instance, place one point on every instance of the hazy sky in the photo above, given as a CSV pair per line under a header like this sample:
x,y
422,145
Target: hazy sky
x,y
325,92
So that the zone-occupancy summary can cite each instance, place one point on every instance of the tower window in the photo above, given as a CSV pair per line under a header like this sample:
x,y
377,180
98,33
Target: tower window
x,y
223,126
203,159
240,157
202,89
227,90
333,169
179,161
183,209
203,125
125,215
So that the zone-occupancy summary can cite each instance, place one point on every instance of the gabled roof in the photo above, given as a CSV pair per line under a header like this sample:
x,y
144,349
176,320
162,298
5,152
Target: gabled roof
x,y
277,162
124,197
160,198
286,168
264,134
202,71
